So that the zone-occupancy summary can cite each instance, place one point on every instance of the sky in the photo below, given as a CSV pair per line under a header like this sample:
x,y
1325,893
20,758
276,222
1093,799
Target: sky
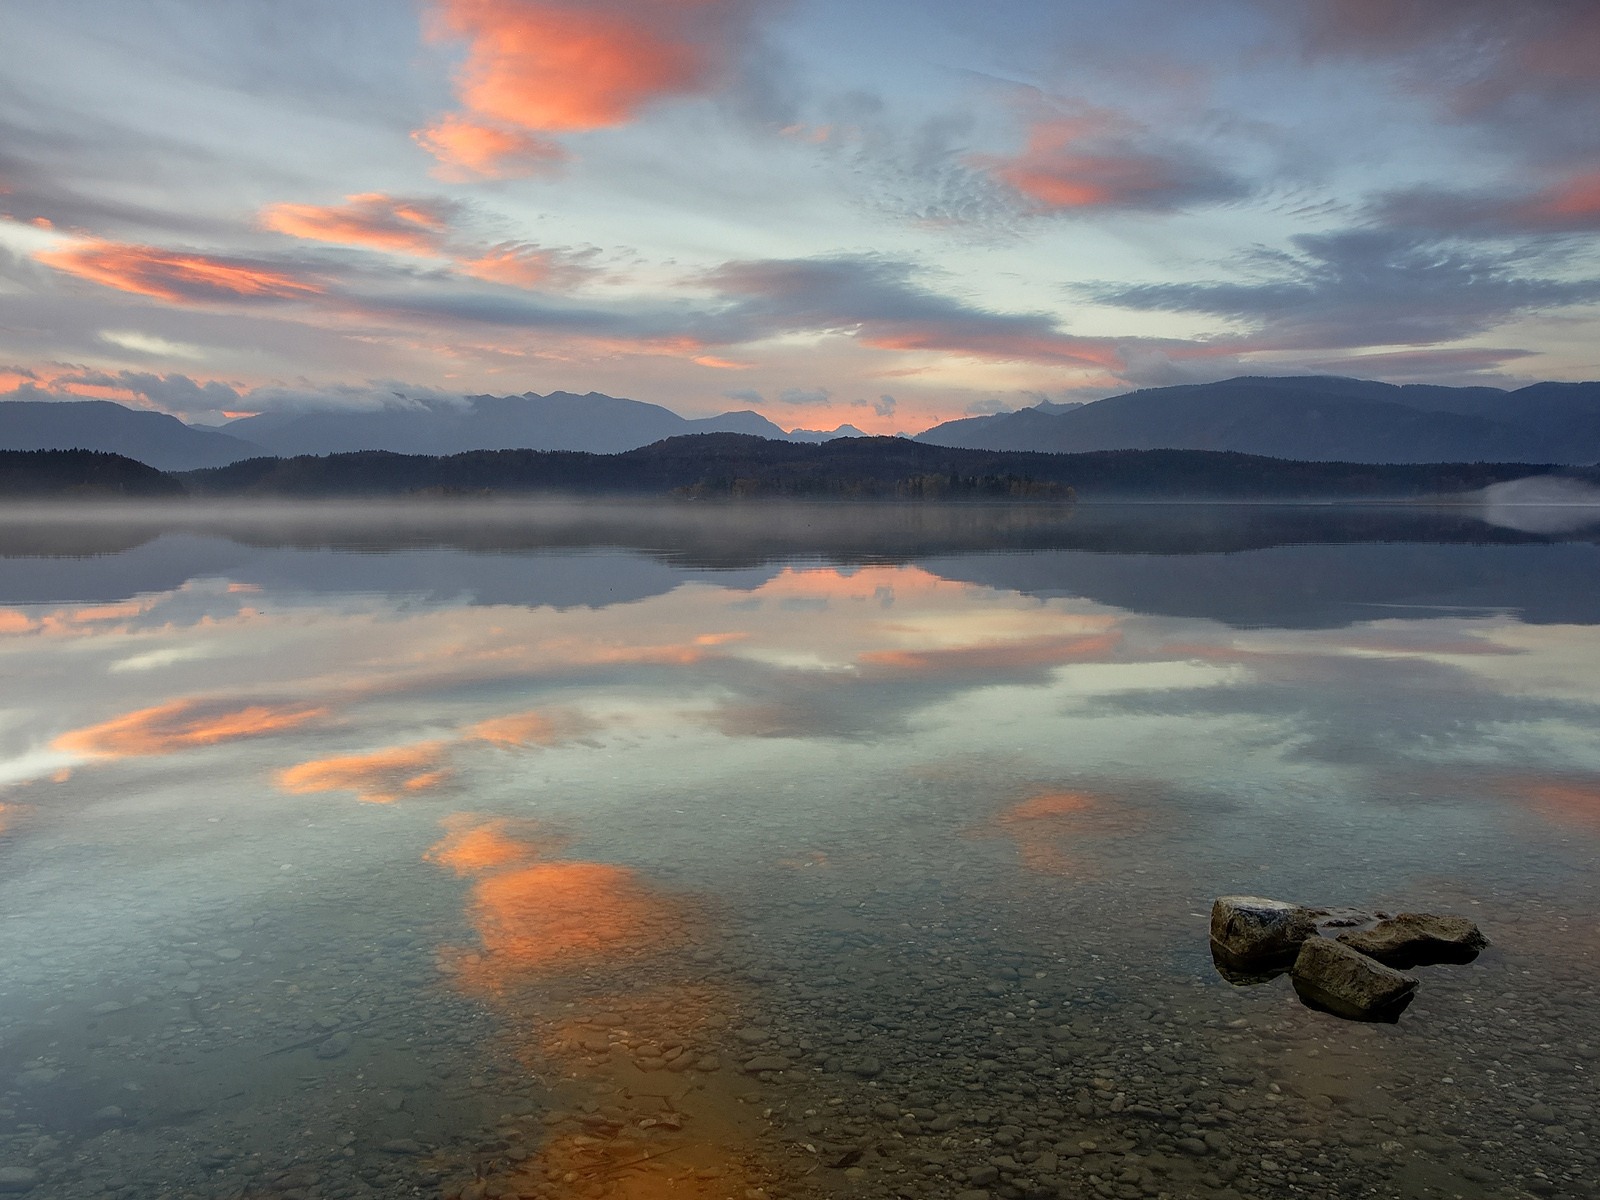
x,y
878,212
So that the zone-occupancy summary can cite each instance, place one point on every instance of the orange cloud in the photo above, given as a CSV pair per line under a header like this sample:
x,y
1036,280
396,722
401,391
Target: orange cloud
x,y
179,276
520,264
540,67
466,148
14,622
184,725
380,777
410,226
105,612
519,730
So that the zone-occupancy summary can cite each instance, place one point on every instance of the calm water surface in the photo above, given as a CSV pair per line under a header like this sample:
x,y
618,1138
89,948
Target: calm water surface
x,y
566,852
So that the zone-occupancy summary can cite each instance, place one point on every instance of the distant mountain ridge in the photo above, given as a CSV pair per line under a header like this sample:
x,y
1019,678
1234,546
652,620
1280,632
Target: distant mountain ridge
x,y
594,422
152,438
1323,418
1305,418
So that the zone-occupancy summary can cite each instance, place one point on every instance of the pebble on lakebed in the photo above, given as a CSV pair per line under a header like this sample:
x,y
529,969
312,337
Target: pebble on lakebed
x,y
1359,975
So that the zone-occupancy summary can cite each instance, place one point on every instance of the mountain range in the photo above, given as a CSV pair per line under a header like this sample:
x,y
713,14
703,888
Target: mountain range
x,y
595,423
1310,417
152,438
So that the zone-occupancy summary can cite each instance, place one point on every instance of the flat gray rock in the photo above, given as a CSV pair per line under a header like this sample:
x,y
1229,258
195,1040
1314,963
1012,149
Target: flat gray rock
x,y
1253,932
18,1179
1418,939
1331,976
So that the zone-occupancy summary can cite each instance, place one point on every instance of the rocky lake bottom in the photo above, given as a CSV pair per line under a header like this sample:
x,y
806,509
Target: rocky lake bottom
x,y
878,880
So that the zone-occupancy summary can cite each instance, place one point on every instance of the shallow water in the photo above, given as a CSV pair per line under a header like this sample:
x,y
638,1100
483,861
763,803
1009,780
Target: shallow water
x,y
809,851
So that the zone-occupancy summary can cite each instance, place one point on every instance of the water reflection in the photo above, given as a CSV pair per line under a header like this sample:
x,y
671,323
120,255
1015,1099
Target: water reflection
x,y
183,724
868,857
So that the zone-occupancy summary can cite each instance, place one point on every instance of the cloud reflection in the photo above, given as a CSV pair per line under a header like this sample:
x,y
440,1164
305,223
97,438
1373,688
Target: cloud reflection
x,y
379,777
1050,830
1571,801
535,915
537,728
184,725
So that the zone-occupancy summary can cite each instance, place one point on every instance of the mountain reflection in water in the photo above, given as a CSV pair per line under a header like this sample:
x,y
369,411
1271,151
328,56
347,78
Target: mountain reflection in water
x,y
562,851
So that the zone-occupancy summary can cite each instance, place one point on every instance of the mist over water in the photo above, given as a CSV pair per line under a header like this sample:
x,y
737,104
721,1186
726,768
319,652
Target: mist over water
x,y
590,850
1542,504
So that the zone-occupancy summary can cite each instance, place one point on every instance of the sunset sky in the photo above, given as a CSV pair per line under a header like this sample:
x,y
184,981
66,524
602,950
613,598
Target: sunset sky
x,y
882,212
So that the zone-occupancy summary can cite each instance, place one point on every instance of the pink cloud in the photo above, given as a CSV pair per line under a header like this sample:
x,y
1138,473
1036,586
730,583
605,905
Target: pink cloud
x,y
398,223
469,149
1079,158
522,264
184,277
540,67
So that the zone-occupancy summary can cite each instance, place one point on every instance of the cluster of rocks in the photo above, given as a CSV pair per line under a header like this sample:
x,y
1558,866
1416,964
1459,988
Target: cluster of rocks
x,y
1360,974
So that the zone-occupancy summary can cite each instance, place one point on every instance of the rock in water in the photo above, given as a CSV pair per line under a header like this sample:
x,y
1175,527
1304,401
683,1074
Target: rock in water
x,y
1419,939
1251,933
1345,982
18,1179
335,1046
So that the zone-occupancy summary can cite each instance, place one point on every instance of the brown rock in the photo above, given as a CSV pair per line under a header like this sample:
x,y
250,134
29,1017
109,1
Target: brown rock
x,y
1418,939
1252,932
1331,976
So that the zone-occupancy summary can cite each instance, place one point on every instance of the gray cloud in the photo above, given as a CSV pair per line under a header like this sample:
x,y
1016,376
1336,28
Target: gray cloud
x,y
987,407
1527,73
1368,287
172,393
804,396
1561,207
882,303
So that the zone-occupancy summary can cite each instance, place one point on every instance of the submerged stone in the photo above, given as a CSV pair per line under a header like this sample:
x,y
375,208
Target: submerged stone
x,y
1419,939
18,1179
1345,982
1251,935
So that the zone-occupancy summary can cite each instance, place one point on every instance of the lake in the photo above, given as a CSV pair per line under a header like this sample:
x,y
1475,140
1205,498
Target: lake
x,y
548,850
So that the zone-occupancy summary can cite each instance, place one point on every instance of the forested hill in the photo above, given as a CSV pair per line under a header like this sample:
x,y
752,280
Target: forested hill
x,y
40,474
734,465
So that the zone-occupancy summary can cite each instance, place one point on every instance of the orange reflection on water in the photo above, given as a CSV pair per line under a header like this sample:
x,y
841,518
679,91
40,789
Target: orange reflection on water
x,y
1050,828
1000,656
1561,800
183,725
534,916
560,947
470,847
547,915
379,777
537,728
